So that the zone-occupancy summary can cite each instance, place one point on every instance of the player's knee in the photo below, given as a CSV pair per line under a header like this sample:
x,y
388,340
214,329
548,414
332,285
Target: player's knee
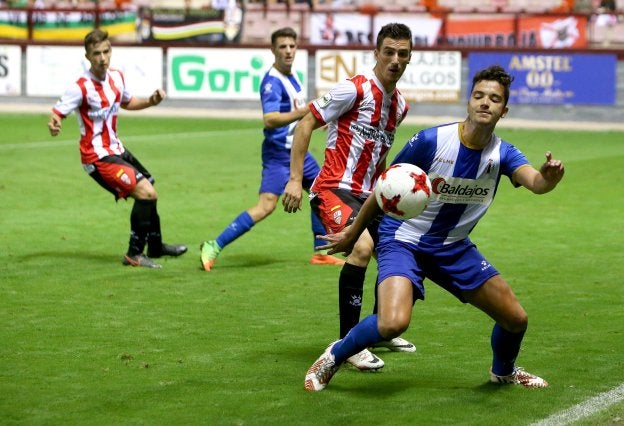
x,y
265,209
150,194
260,211
517,323
361,253
394,326
144,190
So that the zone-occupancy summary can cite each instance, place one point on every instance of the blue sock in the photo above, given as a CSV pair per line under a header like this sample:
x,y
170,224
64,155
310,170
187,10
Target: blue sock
x,y
317,229
238,227
505,348
363,335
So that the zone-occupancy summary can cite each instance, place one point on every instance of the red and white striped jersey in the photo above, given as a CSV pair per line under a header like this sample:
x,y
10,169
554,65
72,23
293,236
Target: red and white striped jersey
x,y
361,122
97,106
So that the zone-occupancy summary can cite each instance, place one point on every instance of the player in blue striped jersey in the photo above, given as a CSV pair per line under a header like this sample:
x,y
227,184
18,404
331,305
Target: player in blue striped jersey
x,y
283,104
464,162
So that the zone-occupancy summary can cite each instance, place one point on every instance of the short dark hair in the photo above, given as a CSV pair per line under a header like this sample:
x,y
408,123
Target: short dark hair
x,y
394,31
494,73
94,37
283,32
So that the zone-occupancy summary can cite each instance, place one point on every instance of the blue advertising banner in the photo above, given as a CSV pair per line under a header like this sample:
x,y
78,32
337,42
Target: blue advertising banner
x,y
554,79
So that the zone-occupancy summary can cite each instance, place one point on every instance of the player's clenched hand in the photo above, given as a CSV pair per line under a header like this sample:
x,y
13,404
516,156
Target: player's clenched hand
x,y
552,170
157,97
291,200
54,125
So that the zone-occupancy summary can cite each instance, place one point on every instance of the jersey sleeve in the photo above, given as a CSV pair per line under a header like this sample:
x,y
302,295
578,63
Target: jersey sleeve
x,y
69,101
271,95
334,103
511,159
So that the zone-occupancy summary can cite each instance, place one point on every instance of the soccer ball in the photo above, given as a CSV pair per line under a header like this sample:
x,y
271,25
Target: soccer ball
x,y
403,191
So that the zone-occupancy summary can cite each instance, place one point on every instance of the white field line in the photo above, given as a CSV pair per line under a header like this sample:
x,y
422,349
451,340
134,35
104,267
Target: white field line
x,y
585,409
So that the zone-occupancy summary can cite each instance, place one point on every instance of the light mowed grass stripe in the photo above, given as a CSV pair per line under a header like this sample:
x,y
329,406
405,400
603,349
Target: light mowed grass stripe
x,y
142,138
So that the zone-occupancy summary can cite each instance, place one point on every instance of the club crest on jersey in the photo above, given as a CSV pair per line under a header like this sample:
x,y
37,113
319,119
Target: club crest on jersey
x,y
324,100
338,217
268,88
122,176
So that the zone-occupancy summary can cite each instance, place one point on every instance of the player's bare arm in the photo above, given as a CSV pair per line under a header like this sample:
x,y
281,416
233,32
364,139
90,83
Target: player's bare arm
x,y
543,180
55,125
273,120
291,200
136,104
343,242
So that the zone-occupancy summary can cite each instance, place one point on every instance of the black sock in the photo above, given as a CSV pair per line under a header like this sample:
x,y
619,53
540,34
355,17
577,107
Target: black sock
x,y
350,291
140,223
154,237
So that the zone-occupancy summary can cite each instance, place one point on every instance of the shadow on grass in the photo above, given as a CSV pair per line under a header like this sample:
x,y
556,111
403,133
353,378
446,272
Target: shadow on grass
x,y
83,255
394,383
239,261
231,262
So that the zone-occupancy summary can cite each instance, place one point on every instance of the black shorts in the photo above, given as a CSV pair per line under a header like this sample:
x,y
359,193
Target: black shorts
x,y
118,174
338,208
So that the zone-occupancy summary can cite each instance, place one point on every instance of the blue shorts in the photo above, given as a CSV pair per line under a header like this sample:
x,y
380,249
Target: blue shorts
x,y
457,268
276,171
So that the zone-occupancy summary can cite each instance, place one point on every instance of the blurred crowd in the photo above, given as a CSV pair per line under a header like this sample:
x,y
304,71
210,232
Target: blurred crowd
x,y
607,10
69,4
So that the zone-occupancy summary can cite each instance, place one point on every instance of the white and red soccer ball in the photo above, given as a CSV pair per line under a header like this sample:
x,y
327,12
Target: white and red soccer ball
x,y
403,191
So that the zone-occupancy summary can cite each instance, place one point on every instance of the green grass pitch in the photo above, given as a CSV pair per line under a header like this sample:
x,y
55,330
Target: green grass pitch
x,y
85,340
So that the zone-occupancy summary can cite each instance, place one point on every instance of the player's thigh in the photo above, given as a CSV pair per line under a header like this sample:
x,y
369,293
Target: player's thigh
x,y
496,298
116,176
395,302
362,250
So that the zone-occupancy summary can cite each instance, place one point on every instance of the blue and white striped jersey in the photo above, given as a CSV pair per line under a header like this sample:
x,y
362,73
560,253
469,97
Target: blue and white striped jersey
x,y
464,182
281,93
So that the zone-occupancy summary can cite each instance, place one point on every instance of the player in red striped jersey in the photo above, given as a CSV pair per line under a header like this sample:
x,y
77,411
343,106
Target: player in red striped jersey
x,y
96,97
361,114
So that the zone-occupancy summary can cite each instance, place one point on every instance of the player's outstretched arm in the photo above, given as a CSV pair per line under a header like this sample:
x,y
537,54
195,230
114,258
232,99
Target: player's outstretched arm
x,y
543,180
54,124
136,104
291,200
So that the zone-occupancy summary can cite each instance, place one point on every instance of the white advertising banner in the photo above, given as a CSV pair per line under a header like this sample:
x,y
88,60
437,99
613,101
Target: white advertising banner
x,y
429,77
10,70
340,29
51,69
231,74
425,28
354,29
